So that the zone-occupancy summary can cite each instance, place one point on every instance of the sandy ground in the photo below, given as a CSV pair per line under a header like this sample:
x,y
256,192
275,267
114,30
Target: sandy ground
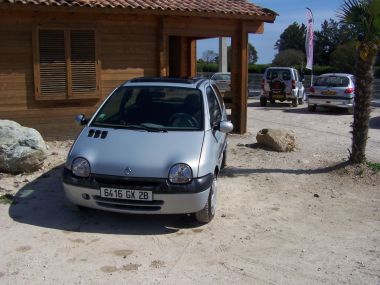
x,y
282,218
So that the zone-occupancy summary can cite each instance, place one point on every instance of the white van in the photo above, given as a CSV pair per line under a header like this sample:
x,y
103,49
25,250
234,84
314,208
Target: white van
x,y
283,84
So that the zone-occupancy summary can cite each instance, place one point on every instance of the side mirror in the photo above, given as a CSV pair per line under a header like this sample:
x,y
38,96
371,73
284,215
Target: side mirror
x,y
225,127
81,119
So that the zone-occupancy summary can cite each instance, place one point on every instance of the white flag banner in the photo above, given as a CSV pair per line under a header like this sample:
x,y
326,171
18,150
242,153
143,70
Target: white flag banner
x,y
309,44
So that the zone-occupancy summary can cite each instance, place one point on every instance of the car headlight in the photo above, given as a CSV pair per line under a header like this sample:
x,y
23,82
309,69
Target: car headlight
x,y
81,167
180,173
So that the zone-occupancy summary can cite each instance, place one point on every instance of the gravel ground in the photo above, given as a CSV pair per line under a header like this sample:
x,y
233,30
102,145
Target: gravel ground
x,y
283,218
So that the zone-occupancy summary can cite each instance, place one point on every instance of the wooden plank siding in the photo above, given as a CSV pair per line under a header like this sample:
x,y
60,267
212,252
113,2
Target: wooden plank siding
x,y
128,45
128,49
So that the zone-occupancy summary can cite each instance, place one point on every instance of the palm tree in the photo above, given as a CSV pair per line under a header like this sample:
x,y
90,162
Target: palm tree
x,y
364,16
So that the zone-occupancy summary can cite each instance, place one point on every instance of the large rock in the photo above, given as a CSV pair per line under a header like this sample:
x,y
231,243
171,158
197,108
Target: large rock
x,y
275,139
21,149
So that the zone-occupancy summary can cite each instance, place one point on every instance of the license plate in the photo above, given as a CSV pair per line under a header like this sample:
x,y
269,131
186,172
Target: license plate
x,y
328,92
126,194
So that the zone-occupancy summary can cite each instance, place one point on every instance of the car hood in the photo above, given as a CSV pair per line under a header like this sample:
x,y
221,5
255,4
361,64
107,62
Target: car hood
x,y
146,154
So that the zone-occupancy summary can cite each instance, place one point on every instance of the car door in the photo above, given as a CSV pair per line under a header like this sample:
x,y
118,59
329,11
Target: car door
x,y
216,115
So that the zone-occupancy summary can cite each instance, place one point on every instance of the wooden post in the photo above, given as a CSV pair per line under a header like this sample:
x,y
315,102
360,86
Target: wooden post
x,y
163,60
239,79
193,57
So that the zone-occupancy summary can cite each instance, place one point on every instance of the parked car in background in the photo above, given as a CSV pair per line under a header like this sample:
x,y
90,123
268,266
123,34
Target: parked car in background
x,y
333,90
282,84
155,146
222,80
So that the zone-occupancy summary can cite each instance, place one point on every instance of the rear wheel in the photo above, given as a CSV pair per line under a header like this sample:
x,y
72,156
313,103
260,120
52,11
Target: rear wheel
x,y
311,108
263,101
301,99
272,101
208,212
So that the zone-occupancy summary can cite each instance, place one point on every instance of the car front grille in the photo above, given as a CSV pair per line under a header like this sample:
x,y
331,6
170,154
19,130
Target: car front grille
x,y
152,185
131,205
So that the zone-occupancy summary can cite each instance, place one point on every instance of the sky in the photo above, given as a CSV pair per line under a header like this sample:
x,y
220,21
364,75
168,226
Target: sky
x,y
289,11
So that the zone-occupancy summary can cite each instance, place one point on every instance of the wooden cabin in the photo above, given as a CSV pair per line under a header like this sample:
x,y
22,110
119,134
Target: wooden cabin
x,y
59,58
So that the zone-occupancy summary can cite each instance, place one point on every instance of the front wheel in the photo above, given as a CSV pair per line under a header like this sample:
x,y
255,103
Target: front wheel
x,y
311,108
208,212
224,159
263,101
295,102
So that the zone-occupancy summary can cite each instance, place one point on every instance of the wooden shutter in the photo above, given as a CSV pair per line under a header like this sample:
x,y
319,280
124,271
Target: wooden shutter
x,y
83,63
52,63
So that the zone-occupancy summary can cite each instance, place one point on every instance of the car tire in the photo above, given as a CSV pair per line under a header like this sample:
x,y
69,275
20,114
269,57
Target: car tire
x,y
224,159
302,99
311,108
350,111
295,102
263,101
205,215
272,101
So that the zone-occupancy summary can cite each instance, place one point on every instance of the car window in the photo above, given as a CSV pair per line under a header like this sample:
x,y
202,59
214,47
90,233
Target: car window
x,y
162,108
283,74
221,77
332,81
214,108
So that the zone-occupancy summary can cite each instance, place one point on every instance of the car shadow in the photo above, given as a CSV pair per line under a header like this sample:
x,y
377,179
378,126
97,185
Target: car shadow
x,y
270,106
329,111
237,171
374,123
41,203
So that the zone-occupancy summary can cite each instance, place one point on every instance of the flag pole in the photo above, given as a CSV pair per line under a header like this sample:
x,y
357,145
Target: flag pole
x,y
309,43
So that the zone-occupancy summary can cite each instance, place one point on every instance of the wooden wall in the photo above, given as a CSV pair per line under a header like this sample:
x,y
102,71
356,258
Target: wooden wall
x,y
130,46
128,49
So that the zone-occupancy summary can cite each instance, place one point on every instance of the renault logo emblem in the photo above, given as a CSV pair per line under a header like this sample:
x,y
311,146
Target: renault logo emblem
x,y
128,171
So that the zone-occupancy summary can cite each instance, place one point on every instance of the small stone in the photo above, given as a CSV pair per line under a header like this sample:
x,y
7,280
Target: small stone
x,y
54,153
316,195
223,215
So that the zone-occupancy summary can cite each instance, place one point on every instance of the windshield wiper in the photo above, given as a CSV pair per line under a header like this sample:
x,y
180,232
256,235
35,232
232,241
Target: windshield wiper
x,y
146,128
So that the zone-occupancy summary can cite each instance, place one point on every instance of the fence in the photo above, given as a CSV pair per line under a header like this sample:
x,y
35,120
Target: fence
x,y
254,82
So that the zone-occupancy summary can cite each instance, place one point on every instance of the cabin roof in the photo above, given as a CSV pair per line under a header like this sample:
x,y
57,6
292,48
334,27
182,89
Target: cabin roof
x,y
213,7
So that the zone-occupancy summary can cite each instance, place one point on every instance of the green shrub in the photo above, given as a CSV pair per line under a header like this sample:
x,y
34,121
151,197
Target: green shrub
x,y
257,68
207,67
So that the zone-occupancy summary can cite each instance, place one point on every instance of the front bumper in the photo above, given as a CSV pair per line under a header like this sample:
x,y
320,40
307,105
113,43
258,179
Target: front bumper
x,y
332,101
167,198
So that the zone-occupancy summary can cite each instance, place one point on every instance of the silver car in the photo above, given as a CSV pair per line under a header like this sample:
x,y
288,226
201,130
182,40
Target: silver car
x,y
333,90
155,146
222,80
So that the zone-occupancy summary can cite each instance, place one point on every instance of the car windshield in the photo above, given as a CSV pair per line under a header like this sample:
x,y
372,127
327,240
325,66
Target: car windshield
x,y
283,74
221,77
152,109
332,81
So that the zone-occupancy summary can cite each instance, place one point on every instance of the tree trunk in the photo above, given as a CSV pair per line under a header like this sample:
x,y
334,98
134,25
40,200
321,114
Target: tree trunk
x,y
362,107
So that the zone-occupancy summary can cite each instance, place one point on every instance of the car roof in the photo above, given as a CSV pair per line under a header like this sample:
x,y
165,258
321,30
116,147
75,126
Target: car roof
x,y
279,67
337,74
217,73
184,82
